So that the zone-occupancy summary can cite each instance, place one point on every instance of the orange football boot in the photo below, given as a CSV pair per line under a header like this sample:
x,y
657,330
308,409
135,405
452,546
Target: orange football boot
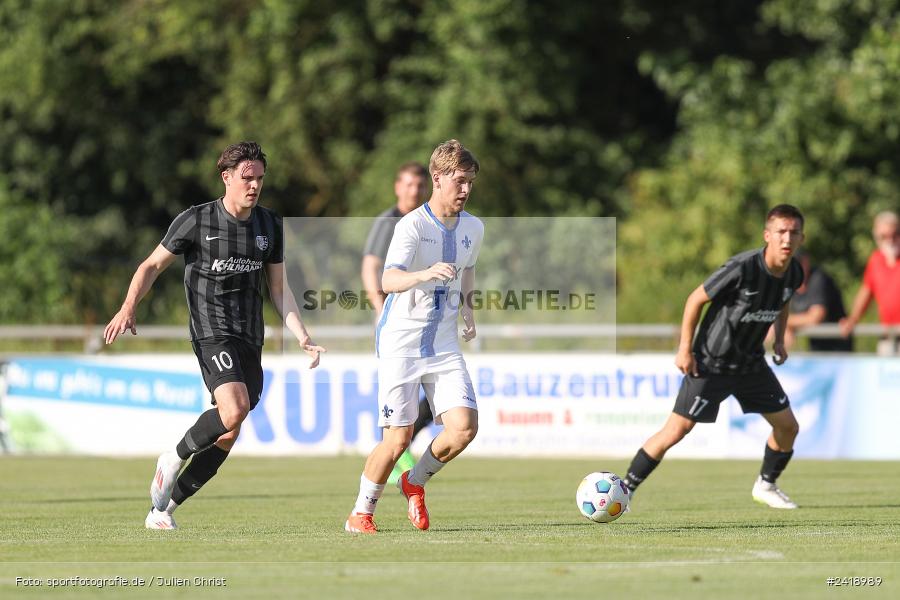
x,y
415,495
360,523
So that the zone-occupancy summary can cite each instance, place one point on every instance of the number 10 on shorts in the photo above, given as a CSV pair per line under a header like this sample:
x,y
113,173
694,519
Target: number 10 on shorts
x,y
222,361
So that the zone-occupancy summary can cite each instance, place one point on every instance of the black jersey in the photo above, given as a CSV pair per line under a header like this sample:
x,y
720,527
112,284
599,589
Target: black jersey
x,y
746,300
224,259
382,231
821,290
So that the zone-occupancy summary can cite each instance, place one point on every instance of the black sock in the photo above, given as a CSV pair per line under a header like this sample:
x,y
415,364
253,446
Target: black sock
x,y
200,470
202,434
424,419
774,463
639,470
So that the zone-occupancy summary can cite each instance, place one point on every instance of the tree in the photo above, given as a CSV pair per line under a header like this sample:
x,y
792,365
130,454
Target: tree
x,y
29,240
813,125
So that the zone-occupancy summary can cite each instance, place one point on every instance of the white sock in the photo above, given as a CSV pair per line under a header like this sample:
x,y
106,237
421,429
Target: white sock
x,y
171,507
425,468
369,493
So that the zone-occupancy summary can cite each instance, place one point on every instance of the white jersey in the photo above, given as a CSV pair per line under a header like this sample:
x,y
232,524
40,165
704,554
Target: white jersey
x,y
422,321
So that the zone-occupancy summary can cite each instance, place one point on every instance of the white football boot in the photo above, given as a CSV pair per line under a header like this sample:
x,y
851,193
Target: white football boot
x,y
167,468
159,519
768,493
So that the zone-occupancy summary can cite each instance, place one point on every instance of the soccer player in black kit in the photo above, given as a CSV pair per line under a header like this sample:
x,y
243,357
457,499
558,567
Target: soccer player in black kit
x,y
226,245
747,294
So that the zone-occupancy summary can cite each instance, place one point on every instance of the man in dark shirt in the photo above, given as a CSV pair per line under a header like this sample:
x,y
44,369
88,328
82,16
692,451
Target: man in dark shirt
x,y
411,189
226,245
818,300
747,295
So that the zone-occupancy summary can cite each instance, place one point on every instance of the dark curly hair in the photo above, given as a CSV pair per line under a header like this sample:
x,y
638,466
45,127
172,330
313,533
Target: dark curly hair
x,y
235,154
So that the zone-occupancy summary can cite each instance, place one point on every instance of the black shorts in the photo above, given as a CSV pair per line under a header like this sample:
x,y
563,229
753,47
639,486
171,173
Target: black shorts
x,y
226,360
699,397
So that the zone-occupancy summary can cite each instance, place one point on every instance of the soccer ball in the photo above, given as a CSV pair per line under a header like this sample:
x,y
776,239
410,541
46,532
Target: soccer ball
x,y
602,497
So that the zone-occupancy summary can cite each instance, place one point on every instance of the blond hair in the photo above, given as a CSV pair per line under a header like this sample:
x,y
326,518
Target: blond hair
x,y
450,156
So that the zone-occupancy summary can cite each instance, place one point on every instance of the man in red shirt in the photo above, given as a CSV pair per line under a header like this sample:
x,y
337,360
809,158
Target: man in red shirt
x,y
881,279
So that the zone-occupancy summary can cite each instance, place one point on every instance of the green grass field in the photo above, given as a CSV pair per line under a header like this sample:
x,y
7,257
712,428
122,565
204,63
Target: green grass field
x,y
272,527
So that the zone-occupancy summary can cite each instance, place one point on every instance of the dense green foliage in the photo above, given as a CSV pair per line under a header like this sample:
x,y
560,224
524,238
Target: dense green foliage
x,y
685,120
813,124
273,527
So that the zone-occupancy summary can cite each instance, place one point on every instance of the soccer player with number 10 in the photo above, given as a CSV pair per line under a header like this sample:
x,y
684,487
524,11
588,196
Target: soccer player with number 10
x,y
227,244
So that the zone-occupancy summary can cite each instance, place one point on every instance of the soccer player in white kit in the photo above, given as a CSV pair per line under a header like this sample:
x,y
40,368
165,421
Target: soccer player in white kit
x,y
429,272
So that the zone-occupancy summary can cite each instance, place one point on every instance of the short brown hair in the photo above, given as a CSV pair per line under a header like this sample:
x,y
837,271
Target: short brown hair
x,y
450,156
235,154
413,168
785,211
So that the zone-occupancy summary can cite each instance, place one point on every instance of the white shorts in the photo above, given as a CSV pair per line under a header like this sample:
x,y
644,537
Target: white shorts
x,y
445,379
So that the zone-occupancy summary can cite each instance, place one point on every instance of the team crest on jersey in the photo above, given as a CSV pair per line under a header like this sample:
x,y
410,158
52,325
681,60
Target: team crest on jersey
x,y
262,242
467,242
788,292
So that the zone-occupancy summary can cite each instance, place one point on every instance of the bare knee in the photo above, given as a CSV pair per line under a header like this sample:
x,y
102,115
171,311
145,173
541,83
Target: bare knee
x,y
675,431
463,436
398,448
233,415
788,431
233,404
672,432
397,441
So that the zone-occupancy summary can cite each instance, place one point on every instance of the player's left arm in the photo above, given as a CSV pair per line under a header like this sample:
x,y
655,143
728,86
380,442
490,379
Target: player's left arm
x,y
779,327
286,305
467,285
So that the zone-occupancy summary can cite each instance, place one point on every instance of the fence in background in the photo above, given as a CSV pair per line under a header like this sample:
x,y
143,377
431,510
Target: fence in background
x,y
91,337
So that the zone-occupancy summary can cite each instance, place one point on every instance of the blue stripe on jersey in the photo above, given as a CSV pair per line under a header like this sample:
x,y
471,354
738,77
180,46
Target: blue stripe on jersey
x,y
384,313
448,252
429,332
395,266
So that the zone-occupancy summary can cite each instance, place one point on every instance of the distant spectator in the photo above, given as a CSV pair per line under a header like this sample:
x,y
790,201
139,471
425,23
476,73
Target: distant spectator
x,y
881,279
817,301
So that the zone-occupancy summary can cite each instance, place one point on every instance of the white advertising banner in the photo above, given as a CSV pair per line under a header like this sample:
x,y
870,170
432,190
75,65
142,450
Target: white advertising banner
x,y
529,405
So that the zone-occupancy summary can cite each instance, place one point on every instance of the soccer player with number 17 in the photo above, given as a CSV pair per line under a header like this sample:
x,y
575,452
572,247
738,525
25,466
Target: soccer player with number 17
x,y
747,294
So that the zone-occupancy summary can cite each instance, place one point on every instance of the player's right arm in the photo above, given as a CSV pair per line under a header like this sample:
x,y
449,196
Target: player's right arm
x,y
141,283
684,360
779,327
404,245
394,281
